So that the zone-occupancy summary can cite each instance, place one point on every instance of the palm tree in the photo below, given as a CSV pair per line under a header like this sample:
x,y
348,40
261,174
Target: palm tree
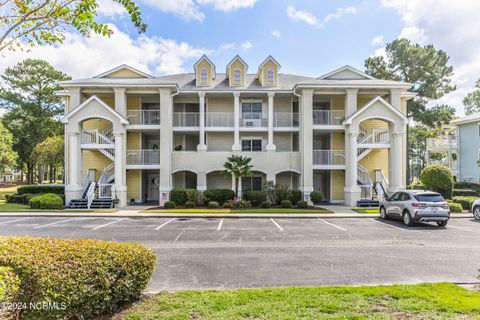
x,y
238,167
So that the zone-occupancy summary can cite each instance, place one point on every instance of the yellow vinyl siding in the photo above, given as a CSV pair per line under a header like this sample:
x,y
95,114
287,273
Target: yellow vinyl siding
x,y
337,184
133,140
338,141
374,124
223,104
263,74
134,182
237,64
376,159
93,124
124,73
338,103
204,64
133,103
282,104
93,159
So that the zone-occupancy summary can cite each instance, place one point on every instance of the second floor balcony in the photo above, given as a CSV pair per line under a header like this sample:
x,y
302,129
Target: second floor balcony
x,y
329,158
143,157
144,117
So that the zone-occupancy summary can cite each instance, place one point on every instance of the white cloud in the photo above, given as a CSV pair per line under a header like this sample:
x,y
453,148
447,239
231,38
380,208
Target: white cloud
x,y
228,46
83,57
448,25
245,46
110,9
228,5
309,18
377,40
276,34
186,9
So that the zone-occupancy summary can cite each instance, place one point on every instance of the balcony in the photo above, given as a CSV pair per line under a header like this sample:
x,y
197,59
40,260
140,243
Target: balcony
x,y
329,158
219,120
373,137
252,120
441,143
186,119
285,120
144,117
328,117
143,158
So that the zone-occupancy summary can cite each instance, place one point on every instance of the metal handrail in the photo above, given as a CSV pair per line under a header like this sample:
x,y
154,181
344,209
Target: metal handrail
x,y
328,157
328,117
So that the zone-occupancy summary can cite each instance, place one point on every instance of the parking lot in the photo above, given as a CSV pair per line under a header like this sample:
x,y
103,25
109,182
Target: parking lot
x,y
246,252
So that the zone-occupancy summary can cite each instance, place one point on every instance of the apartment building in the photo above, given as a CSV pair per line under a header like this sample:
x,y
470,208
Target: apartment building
x,y
133,137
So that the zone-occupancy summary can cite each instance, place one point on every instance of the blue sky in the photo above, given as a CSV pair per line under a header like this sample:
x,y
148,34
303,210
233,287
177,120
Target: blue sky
x,y
306,37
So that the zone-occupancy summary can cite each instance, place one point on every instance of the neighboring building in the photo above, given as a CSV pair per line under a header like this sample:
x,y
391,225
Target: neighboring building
x,y
443,150
468,141
138,136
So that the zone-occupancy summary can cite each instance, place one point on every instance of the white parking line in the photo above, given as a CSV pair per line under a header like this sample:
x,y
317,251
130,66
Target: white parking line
x,y
220,225
5,222
387,224
164,224
54,223
333,225
278,226
107,224
460,228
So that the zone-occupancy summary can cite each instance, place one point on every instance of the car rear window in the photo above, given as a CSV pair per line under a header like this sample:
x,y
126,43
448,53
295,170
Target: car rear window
x,y
429,198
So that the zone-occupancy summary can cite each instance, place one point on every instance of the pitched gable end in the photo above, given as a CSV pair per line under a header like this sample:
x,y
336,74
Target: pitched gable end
x,y
204,71
346,73
267,73
124,71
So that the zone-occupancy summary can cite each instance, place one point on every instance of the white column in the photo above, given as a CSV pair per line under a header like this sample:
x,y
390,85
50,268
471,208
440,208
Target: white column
x,y
395,95
74,188
270,146
166,142
120,171
352,190
397,161
202,146
75,98
236,122
306,143
201,181
350,101
120,101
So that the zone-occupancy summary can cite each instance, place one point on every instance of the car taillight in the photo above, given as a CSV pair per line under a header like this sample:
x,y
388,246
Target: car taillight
x,y
446,206
419,205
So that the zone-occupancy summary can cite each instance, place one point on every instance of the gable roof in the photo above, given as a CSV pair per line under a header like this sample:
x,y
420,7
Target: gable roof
x,y
204,57
467,119
346,68
379,99
103,104
124,66
237,57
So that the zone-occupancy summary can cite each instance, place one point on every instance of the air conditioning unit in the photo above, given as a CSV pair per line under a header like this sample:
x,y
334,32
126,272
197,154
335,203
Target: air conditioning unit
x,y
251,122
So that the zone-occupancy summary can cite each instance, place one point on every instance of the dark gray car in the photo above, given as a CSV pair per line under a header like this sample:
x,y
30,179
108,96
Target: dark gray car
x,y
412,206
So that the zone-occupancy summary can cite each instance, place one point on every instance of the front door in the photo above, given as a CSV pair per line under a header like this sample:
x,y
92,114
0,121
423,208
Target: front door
x,y
152,192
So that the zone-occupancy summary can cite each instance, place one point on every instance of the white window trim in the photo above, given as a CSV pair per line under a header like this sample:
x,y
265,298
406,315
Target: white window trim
x,y
266,76
202,81
239,76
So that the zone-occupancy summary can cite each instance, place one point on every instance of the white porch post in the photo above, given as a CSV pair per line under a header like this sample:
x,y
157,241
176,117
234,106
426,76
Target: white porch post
x,y
395,95
350,101
166,141
236,122
75,97
397,158
120,101
270,146
120,171
201,181
352,190
74,188
306,143
202,146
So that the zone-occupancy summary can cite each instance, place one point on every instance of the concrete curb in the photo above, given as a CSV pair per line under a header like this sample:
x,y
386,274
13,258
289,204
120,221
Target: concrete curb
x,y
134,214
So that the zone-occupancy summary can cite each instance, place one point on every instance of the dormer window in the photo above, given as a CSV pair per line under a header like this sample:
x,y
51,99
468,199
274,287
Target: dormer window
x,y
270,77
203,76
236,76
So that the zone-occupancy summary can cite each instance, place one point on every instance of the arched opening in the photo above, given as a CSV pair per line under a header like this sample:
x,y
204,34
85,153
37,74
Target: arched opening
x,y
254,182
289,179
203,76
236,76
217,180
270,76
184,179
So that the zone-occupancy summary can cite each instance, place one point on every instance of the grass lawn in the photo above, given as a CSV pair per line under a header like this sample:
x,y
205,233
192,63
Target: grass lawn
x,y
366,210
9,190
421,301
233,211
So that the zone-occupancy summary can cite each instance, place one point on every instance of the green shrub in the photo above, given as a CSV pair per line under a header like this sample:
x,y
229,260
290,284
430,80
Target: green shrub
x,y
316,197
218,195
182,196
14,198
229,204
455,207
265,204
26,197
302,204
465,192
169,205
280,193
9,289
294,196
46,201
438,178
213,204
255,197
91,277
190,204
466,202
467,185
243,204
41,189
286,204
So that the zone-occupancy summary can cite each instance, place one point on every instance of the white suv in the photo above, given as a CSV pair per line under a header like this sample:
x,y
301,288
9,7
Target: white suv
x,y
476,209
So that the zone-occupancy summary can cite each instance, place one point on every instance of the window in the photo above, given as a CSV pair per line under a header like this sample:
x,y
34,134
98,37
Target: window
x,y
429,197
251,183
394,197
252,110
203,76
270,76
236,76
251,144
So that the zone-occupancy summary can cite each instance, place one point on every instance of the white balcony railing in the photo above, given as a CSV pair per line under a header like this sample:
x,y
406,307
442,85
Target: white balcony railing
x,y
441,143
94,137
105,190
219,119
252,120
328,117
374,136
143,157
285,119
328,157
186,119
144,117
